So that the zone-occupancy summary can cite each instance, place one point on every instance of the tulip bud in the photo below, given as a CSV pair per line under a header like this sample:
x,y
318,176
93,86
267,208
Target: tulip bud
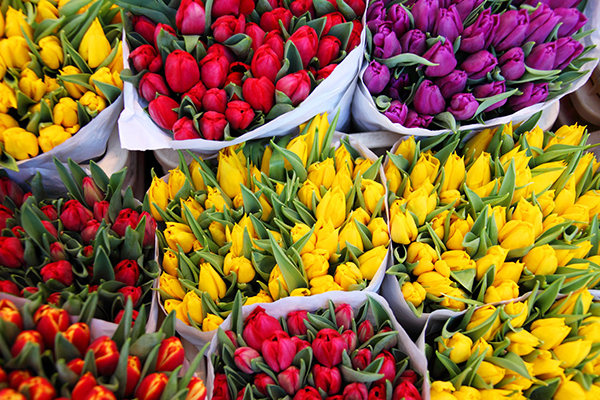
x,y
220,388
453,83
357,391
162,111
307,393
327,379
376,77
344,315
152,85
60,271
11,252
386,44
278,351
295,323
261,381
289,380
106,355
512,64
542,56
512,29
296,86
79,335
463,106
567,50
479,64
226,26
37,388
162,27
23,338
75,216
195,94
184,129
306,40
144,26
328,347
448,24
90,231
541,22
190,18
181,71
259,93
152,387
170,355
425,13
269,21
243,357
351,339
365,331
532,94
443,55
83,387
215,100
11,394
197,390
265,63
10,313
145,57
239,114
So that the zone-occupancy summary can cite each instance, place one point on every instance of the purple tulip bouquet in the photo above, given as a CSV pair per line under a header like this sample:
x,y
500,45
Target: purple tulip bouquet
x,y
438,63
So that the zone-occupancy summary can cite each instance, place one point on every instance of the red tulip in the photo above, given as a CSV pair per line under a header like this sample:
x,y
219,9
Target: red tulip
x,y
220,388
79,335
300,344
256,34
214,70
144,26
61,271
344,315
351,340
38,388
134,293
49,321
127,272
11,394
259,326
76,365
392,343
307,393
301,7
29,290
149,230
327,379
324,73
278,351
51,228
121,313
151,85
307,42
329,49
170,355
165,28
356,391
377,392
358,6
354,39
295,322
11,252
88,251
265,63
407,391
243,357
362,359
365,331
275,40
388,368
232,336
289,380
100,393
239,114
184,129
269,21
332,19
12,190
18,231
328,347
261,381
50,212
215,99
25,337
190,18
221,50
259,93
54,299
196,93
91,191
90,231
197,390
232,7
5,214
84,386
106,354
101,211
227,26
10,313
17,377
75,216
9,287
181,71
126,218
152,387
162,111
145,57
212,125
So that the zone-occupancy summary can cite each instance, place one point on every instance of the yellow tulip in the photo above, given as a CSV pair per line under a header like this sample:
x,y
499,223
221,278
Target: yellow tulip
x,y
518,313
571,354
6,122
116,65
438,223
50,49
545,175
90,100
176,182
413,293
197,178
441,390
535,138
315,263
566,306
566,197
343,159
74,90
502,291
494,256
193,206
541,260
479,143
509,271
590,329
483,315
52,136
170,262
211,282
31,85
570,135
319,124
20,143
299,147
490,373
105,75
454,173
211,322
300,292
347,274
479,174
192,305
590,200
1,27
261,297
158,194
569,390
528,212
15,21
459,345
94,47
361,166
173,305
215,199
516,234
579,214
266,159
217,232
372,192
552,220
545,366
323,284
343,180
322,173
15,52
458,260
516,381
403,227
393,177
407,149
360,215
565,256
326,236
242,267
179,234
300,230
467,393
582,166
351,235
65,113
422,253
379,232
370,261
333,207
277,283
451,299
487,189
550,331
170,285
458,230
46,10
522,342
421,202
481,347
435,283
546,202
231,174
305,194
450,197
517,156
235,235
425,170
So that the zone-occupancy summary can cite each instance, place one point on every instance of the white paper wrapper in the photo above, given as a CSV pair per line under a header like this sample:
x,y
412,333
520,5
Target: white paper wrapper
x,y
139,132
283,307
88,143
367,118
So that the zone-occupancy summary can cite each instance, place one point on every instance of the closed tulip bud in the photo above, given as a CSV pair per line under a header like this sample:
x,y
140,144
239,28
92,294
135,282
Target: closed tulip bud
x,y
567,50
261,381
490,90
512,29
512,64
20,143
365,331
453,83
571,354
181,71
463,106
399,17
15,21
179,234
333,207
278,351
316,263
151,85
459,345
265,63
571,19
162,111
443,55
106,355
9,287
348,274
239,114
170,285
505,290
328,347
372,192
490,373
569,389
243,357
425,13
541,23
327,379
376,77
25,337
403,227
329,48
482,316
60,271
516,234
550,331
356,391
541,260
51,50
379,232
522,342
429,99
295,322
152,387
79,335
11,252
296,86
259,93
158,29
197,390
414,41
10,313
145,27
258,327
386,44
479,64
11,394
212,125
170,355
94,47
241,266
269,21
479,35
371,261
211,282
449,24
214,69
38,388
190,17
231,174
542,56
83,387
307,42
532,94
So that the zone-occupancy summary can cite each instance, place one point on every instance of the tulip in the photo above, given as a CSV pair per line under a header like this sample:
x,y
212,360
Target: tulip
x,y
356,391
512,30
459,346
31,85
220,388
397,88
195,94
453,83
190,17
376,77
85,384
162,111
144,26
371,261
158,29
385,41
489,90
226,26
332,207
258,327
94,47
65,114
425,13
275,40
197,390
11,394
479,64
479,35
79,335
441,54
9,287
463,106
152,387
10,313
306,41
571,19
567,50
50,321
239,114
261,381
490,373
512,64
397,112
532,94
170,355
399,18
243,357
184,129
428,99
212,125
11,252
388,368
296,86
327,379
542,56
259,93
571,354
215,100
15,21
328,347
448,23
570,390
38,388
307,393
269,21
403,227
265,63
379,232
329,48
181,71
15,52
414,41
20,143
550,331
278,351
60,271
372,192
541,22
51,50
214,69
25,337
211,282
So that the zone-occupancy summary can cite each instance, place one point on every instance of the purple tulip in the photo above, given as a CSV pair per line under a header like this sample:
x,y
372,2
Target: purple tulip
x,y
414,41
448,24
397,112
567,49
428,99
453,83
445,3
490,90
414,120
465,7
479,64
479,36
463,106
572,20
532,94
512,64
376,77
396,88
425,13
541,23
399,18
385,41
512,29
542,56
375,14
554,4
443,56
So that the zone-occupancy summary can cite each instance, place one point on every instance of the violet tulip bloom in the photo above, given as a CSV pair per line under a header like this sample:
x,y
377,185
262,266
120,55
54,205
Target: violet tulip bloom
x,y
414,41
532,94
572,20
479,36
376,77
512,29
542,56
399,18
448,24
385,41
397,112
567,50
541,23
443,56
490,90
479,64
512,64
428,99
425,14
453,83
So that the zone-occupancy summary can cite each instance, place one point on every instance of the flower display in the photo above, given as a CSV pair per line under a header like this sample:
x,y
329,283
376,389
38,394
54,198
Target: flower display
x,y
310,220
546,345
215,71
60,67
62,250
483,221
437,64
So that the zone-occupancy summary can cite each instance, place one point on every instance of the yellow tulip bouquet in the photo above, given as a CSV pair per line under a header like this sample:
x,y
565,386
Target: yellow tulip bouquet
x,y
59,68
547,347
485,220
269,219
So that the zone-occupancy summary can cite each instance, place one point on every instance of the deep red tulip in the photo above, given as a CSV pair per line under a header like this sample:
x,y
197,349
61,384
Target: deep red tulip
x,y
150,229
184,129
261,381
351,339
89,232
269,21
344,315
9,287
170,355
196,93
407,391
258,327
307,393
278,351
212,125
243,357
11,252
365,331
127,272
329,49
221,50
265,63
215,99
75,216
239,114
232,7
377,392
101,211
300,344
5,214
259,93
51,228
220,389
388,368
145,27
130,292
12,190
356,391
354,39
324,73
145,57
301,7
61,271
181,71
362,359
327,379
190,18
91,191
214,70
162,111
332,19
256,33
275,40
295,322
126,217
168,29
296,86
25,337
227,26
307,42
152,85
50,212
328,347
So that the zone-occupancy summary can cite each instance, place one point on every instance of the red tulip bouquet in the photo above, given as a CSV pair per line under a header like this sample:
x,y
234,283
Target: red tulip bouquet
x,y
320,349
62,250
216,70
435,64
46,356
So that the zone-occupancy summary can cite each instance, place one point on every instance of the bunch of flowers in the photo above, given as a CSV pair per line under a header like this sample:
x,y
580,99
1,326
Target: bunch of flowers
x,y
444,61
546,347
62,250
310,220
215,70
331,353
487,220
59,68
45,357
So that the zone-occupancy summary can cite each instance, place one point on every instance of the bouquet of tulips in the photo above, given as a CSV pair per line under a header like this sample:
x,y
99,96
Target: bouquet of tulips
x,y
46,356
217,69
489,219
59,69
546,347
311,219
438,63
336,350
63,250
